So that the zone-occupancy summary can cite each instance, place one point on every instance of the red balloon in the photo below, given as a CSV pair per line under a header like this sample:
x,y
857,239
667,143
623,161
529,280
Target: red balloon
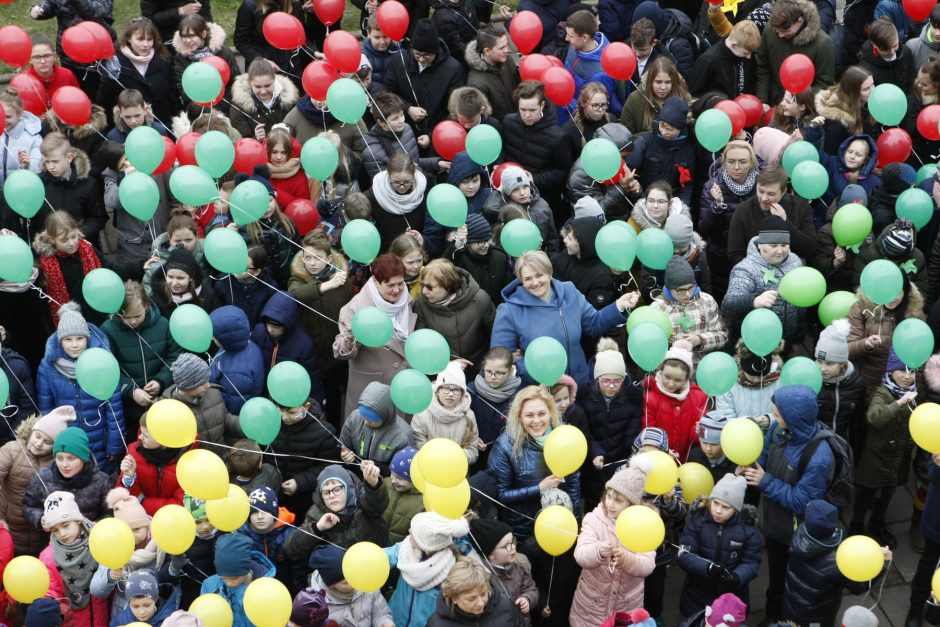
x,y
894,146
533,66
31,91
283,31
619,61
80,44
753,109
342,51
393,19
497,178
735,113
225,70
15,46
928,122
768,116
102,37
186,149
918,10
526,31
329,11
304,214
797,73
71,105
317,78
169,156
559,86
555,61
449,138
249,152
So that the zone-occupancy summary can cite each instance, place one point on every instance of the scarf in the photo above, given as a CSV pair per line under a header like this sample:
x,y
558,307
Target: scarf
x,y
740,189
285,170
66,366
441,414
158,456
674,209
896,390
399,312
392,201
203,53
423,573
141,63
76,567
55,282
540,440
497,395
324,274
680,395
148,557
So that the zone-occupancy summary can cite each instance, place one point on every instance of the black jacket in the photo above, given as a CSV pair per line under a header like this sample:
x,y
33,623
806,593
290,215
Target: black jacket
x,y
79,195
20,404
655,158
89,487
588,273
499,612
842,403
492,272
158,87
541,149
428,89
718,69
252,44
456,23
166,17
311,437
900,72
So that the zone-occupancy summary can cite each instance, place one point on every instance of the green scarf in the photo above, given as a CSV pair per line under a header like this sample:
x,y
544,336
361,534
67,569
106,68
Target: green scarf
x,y
540,441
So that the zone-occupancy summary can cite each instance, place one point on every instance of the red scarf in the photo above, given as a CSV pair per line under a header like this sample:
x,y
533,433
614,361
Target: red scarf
x,y
55,282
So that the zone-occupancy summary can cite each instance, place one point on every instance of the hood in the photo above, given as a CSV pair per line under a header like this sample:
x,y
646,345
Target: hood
x,y
97,125
281,309
463,167
586,230
884,233
81,165
215,41
378,396
336,472
245,100
619,134
568,381
299,271
29,124
867,168
811,28
807,546
230,327
828,107
476,62
312,114
799,409
594,55
54,349
925,38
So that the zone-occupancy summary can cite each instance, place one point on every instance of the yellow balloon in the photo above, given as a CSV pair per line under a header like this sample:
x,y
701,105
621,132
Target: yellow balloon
x,y
448,502
365,566
742,441
565,450
26,579
230,513
213,610
935,584
111,542
202,474
696,480
860,558
640,529
173,529
417,477
925,427
663,472
447,461
268,602
171,423
556,529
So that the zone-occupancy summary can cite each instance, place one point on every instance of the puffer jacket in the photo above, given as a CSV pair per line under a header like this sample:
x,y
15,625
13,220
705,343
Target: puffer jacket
x,y
309,437
90,488
835,165
157,85
363,609
841,403
745,224
26,135
290,572
886,454
614,425
540,149
585,67
499,611
378,59
247,111
383,143
497,82
381,444
21,403
239,367
17,467
678,418
79,195
516,579
214,424
655,158
922,47
587,272
144,353
168,603
700,316
871,250
250,41
428,88
456,22
261,566
602,592
466,322
95,614
402,507
155,485
457,425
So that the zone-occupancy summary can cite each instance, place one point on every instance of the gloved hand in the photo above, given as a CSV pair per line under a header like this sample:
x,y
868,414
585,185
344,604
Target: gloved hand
x,y
718,572
730,577
178,562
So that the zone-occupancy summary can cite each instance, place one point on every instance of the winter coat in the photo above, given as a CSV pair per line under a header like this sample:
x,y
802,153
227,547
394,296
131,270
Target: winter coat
x,y
835,164
496,82
552,13
616,17
214,424
614,423
490,414
70,12
745,400
155,485
311,437
466,322
157,86
168,603
841,123
719,69
17,467
678,418
872,250
931,519
309,121
566,317
166,16
587,272
714,222
308,291
499,611
841,403
201,566
601,592
261,566
540,148
279,241
379,60
410,607
516,580
26,135
215,42
247,111
250,296
381,444
456,22
922,48
837,278
95,614
655,158
364,609
899,72
239,366
435,422
428,88
145,353
290,187
886,454
537,210
60,77
382,143
79,195
161,250
700,316
491,271
745,225
90,487
402,507
251,42
292,573
21,403
585,67
391,224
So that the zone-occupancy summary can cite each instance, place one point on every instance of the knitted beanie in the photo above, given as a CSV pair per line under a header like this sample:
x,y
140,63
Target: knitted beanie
x,y
678,273
681,350
756,365
73,441
898,243
263,499
833,342
44,613
773,230
71,321
821,518
55,422
769,144
142,583
679,229
675,112
181,259
486,533
452,375
730,489
60,507
327,560
631,480
401,462
233,555
652,436
432,532
189,371
854,193
310,608
478,229
726,611
609,362
182,618
710,426
127,508
894,362
897,177
587,207
262,174
425,37
512,179
858,616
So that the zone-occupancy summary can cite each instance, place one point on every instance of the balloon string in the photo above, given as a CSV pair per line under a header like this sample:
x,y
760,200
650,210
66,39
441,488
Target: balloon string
x,y
304,305
288,455
237,108
20,443
548,593
300,529
401,54
376,109
492,569
884,577
104,67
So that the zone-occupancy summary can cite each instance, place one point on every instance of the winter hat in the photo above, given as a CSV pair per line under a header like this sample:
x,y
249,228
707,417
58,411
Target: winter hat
x,y
726,611
833,342
485,534
425,37
894,362
71,321
73,441
773,230
60,507
854,616
512,179
335,472
263,499
630,481
854,193
681,350
261,174
196,507
401,462
652,436
587,207
127,508
182,259
616,132
769,144
675,110
182,618
142,583
370,414
730,489
710,427
756,365
478,229
678,272
233,555
821,518
189,371
556,496
898,243
463,167
56,421
327,560
432,532
896,177
44,613
609,362
452,375
679,229
653,12
310,608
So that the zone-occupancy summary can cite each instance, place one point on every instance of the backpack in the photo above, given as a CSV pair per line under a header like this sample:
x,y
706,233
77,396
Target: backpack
x,y
842,477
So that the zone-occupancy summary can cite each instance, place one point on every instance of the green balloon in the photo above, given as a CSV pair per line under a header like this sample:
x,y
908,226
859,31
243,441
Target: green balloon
x,y
191,327
803,286
249,202
851,224
600,159
289,384
447,205
835,305
139,195
647,345
616,245
201,82
360,241
520,236
654,248
913,342
215,153
16,259
649,314
4,388
427,351
226,251
887,103
717,373
24,192
484,144
798,152
761,331
260,420
97,373
144,148
713,129
190,184
372,327
411,391
916,205
810,179
801,371
881,281
319,158
925,172
346,100
546,360
103,290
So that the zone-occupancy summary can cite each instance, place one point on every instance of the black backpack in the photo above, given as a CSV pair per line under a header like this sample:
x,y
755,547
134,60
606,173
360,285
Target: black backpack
x,y
842,476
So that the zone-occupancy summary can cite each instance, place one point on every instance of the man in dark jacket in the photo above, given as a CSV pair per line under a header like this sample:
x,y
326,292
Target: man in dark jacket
x,y
673,29
728,66
492,69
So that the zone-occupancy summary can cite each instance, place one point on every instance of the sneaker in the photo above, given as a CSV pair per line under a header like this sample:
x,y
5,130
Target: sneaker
x,y
883,536
917,538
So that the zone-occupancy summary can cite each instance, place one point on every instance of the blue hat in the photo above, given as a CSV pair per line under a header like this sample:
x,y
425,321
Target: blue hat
x,y
821,518
327,560
142,583
44,613
894,362
233,555
652,436
401,462
370,414
462,167
264,499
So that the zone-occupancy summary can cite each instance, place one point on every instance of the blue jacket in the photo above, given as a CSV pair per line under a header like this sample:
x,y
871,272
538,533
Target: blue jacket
x,y
523,317
250,297
239,367
585,67
835,166
379,60
290,572
26,135
168,603
410,608
103,421
260,567
21,403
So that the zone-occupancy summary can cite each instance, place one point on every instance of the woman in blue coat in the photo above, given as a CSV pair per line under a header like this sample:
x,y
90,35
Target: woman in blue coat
x,y
239,367
537,305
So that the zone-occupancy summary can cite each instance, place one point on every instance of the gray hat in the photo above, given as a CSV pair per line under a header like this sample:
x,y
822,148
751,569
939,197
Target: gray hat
x,y
730,489
773,230
619,134
587,207
710,426
858,616
678,272
679,229
71,321
833,342
512,178
189,371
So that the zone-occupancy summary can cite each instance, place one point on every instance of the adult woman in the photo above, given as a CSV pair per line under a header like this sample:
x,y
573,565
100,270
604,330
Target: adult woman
x,y
537,305
385,290
590,115
20,138
197,39
398,198
409,248
252,44
844,107
44,67
924,93
661,81
261,99
468,598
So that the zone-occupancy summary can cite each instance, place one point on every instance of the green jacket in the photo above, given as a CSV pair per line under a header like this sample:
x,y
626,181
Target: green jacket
x,y
466,322
145,353
402,506
886,455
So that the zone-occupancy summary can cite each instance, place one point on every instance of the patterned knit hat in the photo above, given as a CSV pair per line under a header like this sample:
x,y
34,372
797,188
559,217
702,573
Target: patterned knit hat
x,y
189,371
478,229
898,243
401,462
630,481
196,507
726,611
710,427
72,322
652,436
60,507
127,508
263,499
142,583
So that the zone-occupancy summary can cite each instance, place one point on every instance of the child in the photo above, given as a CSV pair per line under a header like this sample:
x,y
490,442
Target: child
x,y
492,391
149,471
467,176
720,547
347,606
195,39
854,163
564,393
379,49
268,534
273,230
130,112
473,250
197,563
842,397
374,430
69,188
44,66
515,186
220,215
404,500
180,280
310,610
672,401
449,415
709,453
181,232
21,136
727,610
239,366
70,562
214,424
882,55
247,470
512,571
469,597
237,564
670,136
44,612
390,135
21,401
248,290
287,178
148,601
758,380
612,575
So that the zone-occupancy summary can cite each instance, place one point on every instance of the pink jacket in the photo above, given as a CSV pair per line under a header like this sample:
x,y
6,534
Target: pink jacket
x,y
600,592
95,614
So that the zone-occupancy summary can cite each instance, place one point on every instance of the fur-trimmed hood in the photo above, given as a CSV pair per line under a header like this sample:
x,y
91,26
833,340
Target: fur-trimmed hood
x,y
246,101
215,41
81,164
915,303
299,271
97,125
476,62
932,373
812,26
182,124
455,98
827,105
639,218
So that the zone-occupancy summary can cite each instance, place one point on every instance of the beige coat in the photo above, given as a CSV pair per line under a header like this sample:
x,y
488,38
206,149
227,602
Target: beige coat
x,y
17,466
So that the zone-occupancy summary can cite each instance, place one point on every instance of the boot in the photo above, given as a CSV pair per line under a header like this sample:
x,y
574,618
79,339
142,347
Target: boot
x,y
914,617
883,535
917,538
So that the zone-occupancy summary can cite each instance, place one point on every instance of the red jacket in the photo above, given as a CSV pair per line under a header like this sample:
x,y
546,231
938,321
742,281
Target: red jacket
x,y
678,418
96,614
291,188
61,77
158,484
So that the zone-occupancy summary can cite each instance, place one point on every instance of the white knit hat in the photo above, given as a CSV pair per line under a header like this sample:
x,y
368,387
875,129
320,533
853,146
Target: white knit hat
x,y
452,375
609,359
681,350
432,532
60,507
833,342
56,421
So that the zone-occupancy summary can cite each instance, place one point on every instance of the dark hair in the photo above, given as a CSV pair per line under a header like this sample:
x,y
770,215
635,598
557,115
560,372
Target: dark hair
x,y
470,102
386,266
259,257
499,353
773,174
387,104
785,13
400,162
935,16
882,31
149,29
488,35
643,32
130,98
582,23
194,23
529,89
660,185
245,458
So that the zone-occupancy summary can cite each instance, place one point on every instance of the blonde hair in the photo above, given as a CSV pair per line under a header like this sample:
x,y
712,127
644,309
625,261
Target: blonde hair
x,y
537,260
465,575
57,223
443,272
514,429
737,144
134,293
746,34
54,142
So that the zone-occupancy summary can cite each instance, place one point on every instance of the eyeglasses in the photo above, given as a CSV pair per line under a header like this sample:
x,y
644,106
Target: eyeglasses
x,y
610,382
495,373
402,184
450,391
41,58
508,546
600,106
657,201
332,492
423,55
683,291
482,245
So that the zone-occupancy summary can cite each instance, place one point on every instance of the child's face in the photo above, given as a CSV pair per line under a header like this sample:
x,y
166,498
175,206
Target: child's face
x,y
781,421
133,116
904,378
39,443
195,393
614,503
473,602
712,451
184,238
68,464
141,43
262,522
74,345
315,259
562,399
449,396
334,495
178,281
830,369
221,203
674,378
342,587
274,330
133,315
204,528
379,40
141,535
856,154
499,53
146,440
143,608
400,483
235,582
68,532
505,551
521,195
42,59
497,372
293,415
395,122
279,155
58,162
67,242
470,185
610,385
272,206
571,243
668,131
720,510
413,262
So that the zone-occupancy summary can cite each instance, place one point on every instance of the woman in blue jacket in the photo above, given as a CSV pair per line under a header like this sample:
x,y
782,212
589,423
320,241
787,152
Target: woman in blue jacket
x,y
239,367
537,305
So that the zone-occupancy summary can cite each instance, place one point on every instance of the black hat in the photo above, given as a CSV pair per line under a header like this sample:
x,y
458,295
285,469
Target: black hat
x,y
425,37
756,365
678,273
486,533
44,613
773,230
181,259
327,559
478,229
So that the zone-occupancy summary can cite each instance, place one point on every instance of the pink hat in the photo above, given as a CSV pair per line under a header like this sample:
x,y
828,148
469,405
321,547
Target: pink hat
x,y
127,508
769,144
56,421
726,611
182,618
60,507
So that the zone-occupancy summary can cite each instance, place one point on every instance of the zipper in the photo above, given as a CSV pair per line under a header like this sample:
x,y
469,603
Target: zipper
x,y
721,531
564,326
835,414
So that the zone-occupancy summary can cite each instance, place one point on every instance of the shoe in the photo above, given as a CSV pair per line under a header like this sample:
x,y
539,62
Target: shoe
x,y
883,535
914,618
917,538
